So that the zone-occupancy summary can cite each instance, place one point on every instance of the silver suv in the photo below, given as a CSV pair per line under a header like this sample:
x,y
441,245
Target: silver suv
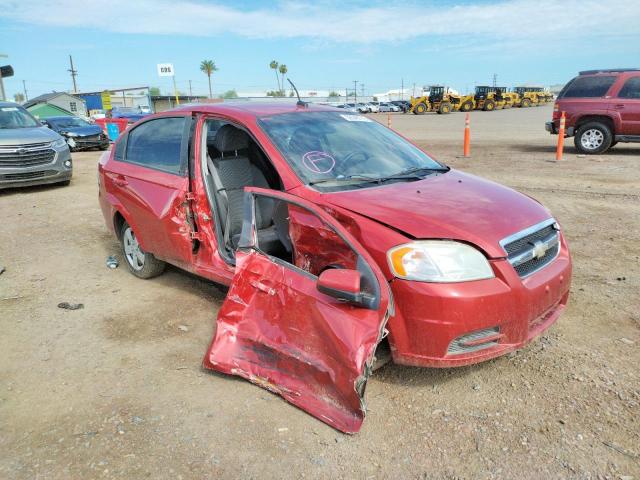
x,y
30,153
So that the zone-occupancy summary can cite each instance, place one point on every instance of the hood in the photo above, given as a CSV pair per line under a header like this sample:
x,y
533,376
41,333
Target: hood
x,y
453,205
20,136
82,131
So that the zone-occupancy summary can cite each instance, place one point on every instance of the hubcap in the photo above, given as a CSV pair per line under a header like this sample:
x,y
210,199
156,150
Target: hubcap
x,y
132,250
592,139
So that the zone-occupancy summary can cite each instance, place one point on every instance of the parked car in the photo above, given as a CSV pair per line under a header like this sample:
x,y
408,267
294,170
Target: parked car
x,y
130,113
331,230
602,108
30,153
403,105
388,107
373,107
347,107
363,108
80,135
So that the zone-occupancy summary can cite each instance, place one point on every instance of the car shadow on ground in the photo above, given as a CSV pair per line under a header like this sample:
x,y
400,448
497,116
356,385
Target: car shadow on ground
x,y
31,189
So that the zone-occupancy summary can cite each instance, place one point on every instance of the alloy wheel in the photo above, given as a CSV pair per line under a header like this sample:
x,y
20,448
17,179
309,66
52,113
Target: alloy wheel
x,y
132,250
592,139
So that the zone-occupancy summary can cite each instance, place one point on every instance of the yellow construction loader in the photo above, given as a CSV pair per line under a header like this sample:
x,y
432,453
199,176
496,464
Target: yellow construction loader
x,y
488,98
439,100
527,97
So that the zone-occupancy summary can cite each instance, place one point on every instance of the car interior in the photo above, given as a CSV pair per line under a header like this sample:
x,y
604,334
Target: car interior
x,y
235,161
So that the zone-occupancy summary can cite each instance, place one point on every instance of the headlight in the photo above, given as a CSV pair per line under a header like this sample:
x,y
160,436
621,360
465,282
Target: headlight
x,y
60,143
71,134
438,261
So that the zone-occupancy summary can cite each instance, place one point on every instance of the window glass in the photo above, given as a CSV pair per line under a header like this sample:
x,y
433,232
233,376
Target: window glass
x,y
631,88
119,148
594,86
16,117
157,144
338,148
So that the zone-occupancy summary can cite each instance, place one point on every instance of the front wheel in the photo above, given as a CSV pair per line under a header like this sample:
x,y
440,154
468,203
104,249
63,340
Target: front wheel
x,y
466,106
420,109
489,105
445,107
140,263
526,102
593,138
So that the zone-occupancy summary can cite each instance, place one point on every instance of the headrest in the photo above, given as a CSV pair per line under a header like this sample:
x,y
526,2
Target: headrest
x,y
229,138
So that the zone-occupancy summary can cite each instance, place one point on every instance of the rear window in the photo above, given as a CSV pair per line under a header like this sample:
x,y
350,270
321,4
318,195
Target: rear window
x,y
594,86
631,88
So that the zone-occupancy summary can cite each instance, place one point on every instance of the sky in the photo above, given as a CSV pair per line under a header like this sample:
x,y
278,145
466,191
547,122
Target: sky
x,y
326,44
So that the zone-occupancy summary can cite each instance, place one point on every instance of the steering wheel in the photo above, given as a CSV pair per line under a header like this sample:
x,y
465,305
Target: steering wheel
x,y
364,156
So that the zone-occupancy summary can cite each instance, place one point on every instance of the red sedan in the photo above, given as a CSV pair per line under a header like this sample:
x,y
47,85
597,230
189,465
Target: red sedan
x,y
338,239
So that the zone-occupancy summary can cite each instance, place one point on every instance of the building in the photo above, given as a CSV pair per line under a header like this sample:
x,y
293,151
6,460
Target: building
x,y
132,97
162,103
56,103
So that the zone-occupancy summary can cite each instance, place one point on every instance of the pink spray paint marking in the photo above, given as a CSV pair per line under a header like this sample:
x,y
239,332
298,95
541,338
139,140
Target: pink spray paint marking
x,y
318,162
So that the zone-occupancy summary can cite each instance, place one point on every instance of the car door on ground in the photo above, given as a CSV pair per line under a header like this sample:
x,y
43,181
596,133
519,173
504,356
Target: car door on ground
x,y
151,179
277,330
627,105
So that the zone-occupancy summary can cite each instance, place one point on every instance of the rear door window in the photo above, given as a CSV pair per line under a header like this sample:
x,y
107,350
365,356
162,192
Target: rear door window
x,y
158,144
594,86
631,88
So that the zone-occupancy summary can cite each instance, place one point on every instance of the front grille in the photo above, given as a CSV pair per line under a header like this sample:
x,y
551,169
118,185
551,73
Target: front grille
x,y
533,248
26,155
89,138
27,175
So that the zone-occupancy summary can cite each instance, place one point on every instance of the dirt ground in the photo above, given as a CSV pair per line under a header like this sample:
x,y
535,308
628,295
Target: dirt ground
x,y
116,390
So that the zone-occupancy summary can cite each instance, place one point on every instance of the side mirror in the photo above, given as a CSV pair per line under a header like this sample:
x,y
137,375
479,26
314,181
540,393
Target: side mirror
x,y
341,284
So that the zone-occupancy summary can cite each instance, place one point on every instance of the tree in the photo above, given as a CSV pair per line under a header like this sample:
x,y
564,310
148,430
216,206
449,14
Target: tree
x,y
283,70
155,91
18,97
274,65
208,67
333,93
229,94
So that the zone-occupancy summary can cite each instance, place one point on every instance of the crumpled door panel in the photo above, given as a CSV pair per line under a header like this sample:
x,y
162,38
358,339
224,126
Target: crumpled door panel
x,y
278,331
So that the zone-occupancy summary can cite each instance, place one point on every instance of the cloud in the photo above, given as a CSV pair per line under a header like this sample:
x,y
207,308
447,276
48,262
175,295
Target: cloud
x,y
338,23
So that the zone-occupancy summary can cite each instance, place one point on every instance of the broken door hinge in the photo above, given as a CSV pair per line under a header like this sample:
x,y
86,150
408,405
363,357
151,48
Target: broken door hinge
x,y
189,197
196,236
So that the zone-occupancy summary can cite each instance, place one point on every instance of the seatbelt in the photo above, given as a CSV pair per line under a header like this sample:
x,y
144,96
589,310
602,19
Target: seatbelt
x,y
217,183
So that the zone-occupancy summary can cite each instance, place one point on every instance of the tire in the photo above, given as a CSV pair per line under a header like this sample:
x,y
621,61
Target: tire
x,y
466,106
445,107
489,106
142,264
593,138
420,109
526,102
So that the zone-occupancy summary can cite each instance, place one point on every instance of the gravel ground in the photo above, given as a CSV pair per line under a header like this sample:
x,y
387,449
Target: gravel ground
x,y
115,390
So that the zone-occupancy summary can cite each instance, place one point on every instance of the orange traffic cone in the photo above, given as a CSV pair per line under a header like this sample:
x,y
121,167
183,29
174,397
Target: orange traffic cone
x,y
560,147
467,136
388,120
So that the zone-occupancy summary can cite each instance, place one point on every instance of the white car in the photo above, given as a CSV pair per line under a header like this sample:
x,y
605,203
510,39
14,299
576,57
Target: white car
x,y
373,107
388,107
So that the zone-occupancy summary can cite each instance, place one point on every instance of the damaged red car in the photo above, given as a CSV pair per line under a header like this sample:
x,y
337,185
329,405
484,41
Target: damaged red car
x,y
338,239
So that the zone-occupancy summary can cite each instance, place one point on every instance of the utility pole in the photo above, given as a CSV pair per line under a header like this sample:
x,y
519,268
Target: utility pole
x,y
74,73
190,91
2,96
355,92
495,80
362,89
402,89
24,87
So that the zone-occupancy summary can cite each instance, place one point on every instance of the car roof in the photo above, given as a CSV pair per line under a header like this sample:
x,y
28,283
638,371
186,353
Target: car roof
x,y
61,117
257,109
608,71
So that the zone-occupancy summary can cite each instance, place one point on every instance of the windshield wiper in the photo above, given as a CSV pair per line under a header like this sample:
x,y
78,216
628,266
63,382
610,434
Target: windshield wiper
x,y
346,178
414,172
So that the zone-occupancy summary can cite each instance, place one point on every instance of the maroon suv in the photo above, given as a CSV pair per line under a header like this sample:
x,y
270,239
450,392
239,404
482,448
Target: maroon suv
x,y
602,108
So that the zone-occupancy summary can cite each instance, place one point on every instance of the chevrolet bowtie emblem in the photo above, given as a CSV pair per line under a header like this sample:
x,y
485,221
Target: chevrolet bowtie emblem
x,y
539,249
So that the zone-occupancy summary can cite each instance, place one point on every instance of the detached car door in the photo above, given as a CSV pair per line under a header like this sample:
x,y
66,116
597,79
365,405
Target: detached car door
x,y
286,326
149,177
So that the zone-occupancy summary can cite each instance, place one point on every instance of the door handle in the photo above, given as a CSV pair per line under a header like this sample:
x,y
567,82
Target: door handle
x,y
619,106
120,181
263,287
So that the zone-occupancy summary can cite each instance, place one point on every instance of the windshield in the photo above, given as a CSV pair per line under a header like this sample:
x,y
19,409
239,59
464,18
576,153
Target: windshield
x,y
16,117
342,150
69,122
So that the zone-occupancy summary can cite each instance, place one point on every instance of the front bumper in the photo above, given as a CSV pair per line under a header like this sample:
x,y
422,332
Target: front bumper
x,y
552,128
491,317
54,171
84,143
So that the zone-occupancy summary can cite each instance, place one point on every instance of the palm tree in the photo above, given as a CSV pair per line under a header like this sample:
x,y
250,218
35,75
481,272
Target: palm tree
x,y
274,66
283,70
208,67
